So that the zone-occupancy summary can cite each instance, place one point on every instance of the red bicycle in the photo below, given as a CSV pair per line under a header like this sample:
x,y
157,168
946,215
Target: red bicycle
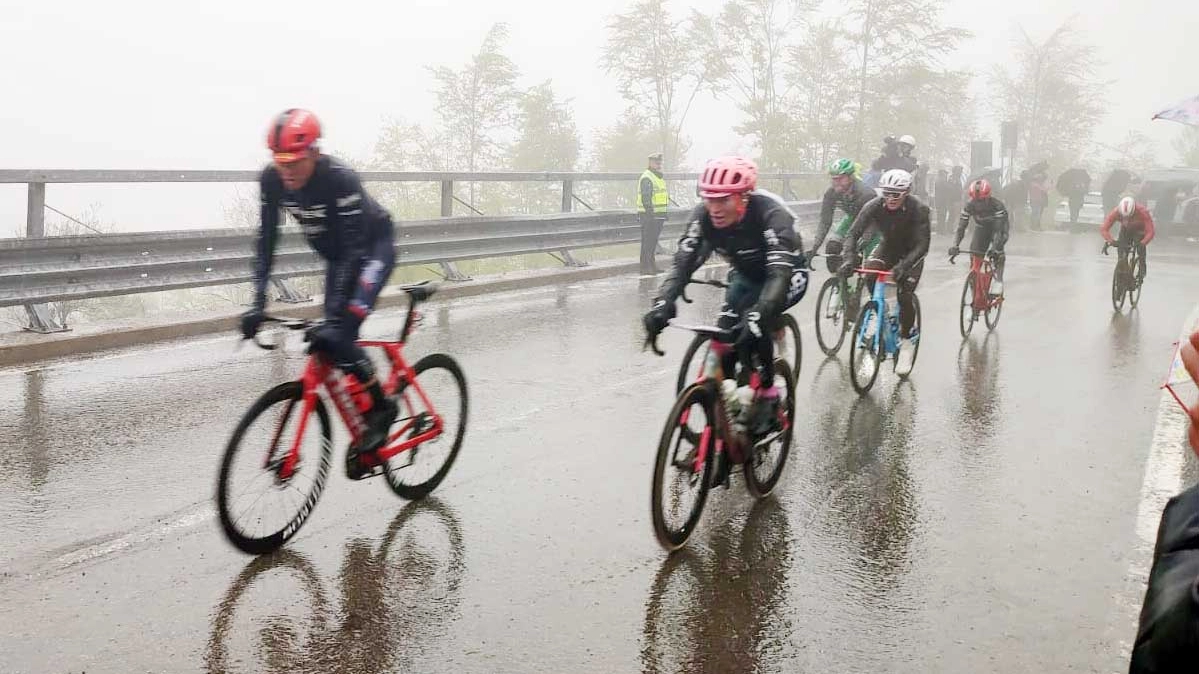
x,y
296,476
976,294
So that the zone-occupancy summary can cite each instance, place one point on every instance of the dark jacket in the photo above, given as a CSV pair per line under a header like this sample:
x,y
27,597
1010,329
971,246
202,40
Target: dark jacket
x,y
1168,631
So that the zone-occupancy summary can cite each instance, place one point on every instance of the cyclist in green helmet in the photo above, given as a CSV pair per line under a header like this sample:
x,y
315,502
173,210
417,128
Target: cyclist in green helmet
x,y
850,194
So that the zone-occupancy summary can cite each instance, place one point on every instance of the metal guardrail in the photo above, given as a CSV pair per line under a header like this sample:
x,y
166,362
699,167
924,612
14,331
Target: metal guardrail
x,y
36,271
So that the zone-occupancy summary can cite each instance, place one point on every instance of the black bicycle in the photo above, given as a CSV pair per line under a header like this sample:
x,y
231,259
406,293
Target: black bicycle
x,y
1126,283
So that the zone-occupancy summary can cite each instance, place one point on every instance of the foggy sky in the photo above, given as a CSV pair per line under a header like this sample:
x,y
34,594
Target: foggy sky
x,y
141,84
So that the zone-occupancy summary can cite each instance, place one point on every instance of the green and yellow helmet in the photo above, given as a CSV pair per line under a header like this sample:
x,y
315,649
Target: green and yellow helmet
x,y
842,167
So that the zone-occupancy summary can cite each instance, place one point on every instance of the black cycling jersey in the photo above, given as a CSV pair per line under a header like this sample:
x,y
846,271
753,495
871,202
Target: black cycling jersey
x,y
906,230
763,247
850,202
991,215
342,223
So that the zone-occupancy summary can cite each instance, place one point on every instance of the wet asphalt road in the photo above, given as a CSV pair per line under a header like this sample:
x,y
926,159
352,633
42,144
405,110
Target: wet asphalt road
x,y
977,519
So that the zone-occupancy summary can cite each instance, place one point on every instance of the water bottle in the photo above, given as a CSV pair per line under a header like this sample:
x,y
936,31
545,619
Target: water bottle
x,y
728,389
712,365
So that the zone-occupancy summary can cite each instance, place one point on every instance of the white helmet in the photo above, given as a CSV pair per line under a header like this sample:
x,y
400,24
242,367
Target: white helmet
x,y
1127,206
895,180
907,140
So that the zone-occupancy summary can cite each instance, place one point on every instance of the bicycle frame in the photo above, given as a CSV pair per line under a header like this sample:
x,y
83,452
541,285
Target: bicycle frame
x,y
400,379
889,332
983,272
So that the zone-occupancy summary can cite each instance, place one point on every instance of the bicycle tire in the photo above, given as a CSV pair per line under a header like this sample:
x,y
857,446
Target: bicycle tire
x,y
1134,287
288,392
879,347
703,395
1118,288
917,328
687,373
832,291
791,325
395,466
994,311
761,488
966,313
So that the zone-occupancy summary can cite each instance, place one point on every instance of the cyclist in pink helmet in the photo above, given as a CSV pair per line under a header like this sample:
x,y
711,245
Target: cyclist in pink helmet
x,y
754,231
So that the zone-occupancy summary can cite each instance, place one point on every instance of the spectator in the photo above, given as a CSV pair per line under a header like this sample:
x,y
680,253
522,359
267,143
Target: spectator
x,y
1074,184
1016,197
1038,198
1167,639
947,195
652,202
1113,188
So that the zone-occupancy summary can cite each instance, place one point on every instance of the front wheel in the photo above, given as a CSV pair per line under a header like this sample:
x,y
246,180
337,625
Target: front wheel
x,y
994,311
1134,281
915,334
414,473
683,470
967,314
1118,287
692,368
866,356
832,316
263,445
769,455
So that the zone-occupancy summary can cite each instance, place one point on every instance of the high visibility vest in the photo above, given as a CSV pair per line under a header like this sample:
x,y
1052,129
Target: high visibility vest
x,y
661,196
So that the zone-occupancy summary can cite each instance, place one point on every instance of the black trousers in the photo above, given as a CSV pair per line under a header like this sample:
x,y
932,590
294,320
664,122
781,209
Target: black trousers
x,y
651,231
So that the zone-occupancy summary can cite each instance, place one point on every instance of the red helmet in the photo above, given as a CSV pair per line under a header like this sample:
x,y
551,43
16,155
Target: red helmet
x,y
728,175
979,189
292,133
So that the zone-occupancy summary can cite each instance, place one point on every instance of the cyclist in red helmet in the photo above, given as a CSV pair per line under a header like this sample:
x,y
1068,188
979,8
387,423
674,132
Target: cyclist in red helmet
x,y
347,228
1136,229
754,231
990,234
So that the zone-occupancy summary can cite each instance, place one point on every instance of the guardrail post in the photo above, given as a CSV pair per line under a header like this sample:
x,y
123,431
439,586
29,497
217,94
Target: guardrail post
x,y
447,198
40,317
568,201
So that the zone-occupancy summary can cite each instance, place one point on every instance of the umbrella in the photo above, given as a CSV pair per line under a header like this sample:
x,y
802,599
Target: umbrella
x,y
1184,112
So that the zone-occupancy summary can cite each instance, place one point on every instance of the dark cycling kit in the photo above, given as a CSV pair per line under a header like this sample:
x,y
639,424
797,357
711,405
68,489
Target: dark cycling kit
x,y
347,228
851,204
991,233
906,232
769,274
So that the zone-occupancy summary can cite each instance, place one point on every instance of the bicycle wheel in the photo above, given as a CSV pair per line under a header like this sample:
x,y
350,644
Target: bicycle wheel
x,y
691,368
690,425
916,330
788,345
414,473
277,437
765,465
866,357
1133,283
994,310
1118,288
831,316
967,315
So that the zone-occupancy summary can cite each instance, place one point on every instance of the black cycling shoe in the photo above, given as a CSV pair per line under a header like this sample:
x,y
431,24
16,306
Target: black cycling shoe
x,y
763,416
378,427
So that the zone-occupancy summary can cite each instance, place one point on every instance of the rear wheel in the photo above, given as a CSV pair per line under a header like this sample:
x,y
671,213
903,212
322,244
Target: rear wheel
x,y
967,315
1134,282
916,332
994,310
681,480
832,316
261,512
866,356
765,464
414,473
694,358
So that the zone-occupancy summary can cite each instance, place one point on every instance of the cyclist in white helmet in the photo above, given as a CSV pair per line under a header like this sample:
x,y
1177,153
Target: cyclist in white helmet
x,y
903,220
1136,228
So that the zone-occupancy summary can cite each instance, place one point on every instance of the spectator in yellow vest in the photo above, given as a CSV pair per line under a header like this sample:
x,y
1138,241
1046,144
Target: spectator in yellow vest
x,y
652,201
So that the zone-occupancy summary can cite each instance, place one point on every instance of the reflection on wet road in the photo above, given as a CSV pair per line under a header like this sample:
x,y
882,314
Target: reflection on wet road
x,y
977,518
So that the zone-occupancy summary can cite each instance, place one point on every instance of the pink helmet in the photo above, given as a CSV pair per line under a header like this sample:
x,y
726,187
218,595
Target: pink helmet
x,y
728,175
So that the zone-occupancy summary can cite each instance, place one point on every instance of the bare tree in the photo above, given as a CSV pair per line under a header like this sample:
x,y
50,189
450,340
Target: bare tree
x,y
476,103
1052,92
821,96
1187,147
747,44
658,69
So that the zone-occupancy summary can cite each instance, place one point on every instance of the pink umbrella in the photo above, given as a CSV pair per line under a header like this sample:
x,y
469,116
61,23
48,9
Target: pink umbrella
x,y
1185,112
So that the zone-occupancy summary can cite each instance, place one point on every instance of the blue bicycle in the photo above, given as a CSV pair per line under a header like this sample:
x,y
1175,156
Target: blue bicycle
x,y
878,334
